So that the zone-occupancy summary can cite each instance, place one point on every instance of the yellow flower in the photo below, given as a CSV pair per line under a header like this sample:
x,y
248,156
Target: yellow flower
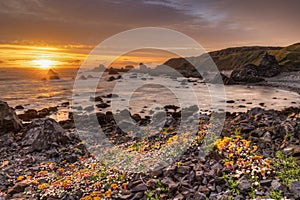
x,y
35,182
254,148
239,150
43,186
257,157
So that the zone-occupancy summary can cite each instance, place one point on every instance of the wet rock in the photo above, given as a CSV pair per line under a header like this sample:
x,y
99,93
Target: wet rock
x,y
204,190
82,77
276,185
42,134
266,137
111,78
157,172
230,101
65,104
170,183
97,98
244,184
139,188
111,96
138,196
200,196
171,107
89,108
222,78
292,149
9,121
136,117
179,197
19,107
102,105
183,169
295,189
17,188
265,182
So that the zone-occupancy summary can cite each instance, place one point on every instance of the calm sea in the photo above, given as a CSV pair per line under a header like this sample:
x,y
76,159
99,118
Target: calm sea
x,y
138,92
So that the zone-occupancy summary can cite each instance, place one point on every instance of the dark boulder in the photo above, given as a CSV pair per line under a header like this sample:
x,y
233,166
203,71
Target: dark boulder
x,y
269,66
222,78
43,134
9,121
52,75
19,107
111,78
248,74
102,105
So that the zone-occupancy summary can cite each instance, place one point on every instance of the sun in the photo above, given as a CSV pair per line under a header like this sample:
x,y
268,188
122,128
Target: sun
x,y
44,63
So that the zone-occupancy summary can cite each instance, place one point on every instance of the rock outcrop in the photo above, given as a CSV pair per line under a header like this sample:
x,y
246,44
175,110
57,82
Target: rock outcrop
x,y
43,134
52,75
251,73
269,66
248,74
9,121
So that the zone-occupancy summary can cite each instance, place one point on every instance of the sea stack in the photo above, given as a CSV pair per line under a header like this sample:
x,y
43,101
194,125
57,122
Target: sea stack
x,y
52,75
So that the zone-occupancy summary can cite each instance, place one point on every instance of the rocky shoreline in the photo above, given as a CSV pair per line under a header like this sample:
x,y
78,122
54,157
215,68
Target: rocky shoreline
x,y
44,159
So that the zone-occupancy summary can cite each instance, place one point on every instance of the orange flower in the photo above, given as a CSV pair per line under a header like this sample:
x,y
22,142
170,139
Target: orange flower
x,y
229,164
20,178
43,173
124,185
35,182
254,148
114,186
60,170
108,193
66,183
97,184
43,186
28,177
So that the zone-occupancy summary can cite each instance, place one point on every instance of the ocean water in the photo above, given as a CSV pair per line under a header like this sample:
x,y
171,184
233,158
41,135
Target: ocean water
x,y
140,93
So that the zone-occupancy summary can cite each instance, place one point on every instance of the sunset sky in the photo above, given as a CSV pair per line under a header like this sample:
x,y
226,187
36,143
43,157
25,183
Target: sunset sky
x,y
35,32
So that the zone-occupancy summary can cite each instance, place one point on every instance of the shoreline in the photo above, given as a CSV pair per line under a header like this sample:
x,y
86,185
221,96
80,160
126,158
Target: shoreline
x,y
289,81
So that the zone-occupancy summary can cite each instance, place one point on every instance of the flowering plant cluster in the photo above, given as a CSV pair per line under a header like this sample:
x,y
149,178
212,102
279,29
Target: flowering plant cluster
x,y
241,158
88,178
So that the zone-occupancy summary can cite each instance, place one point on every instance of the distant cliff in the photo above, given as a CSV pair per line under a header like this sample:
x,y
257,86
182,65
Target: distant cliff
x,y
237,57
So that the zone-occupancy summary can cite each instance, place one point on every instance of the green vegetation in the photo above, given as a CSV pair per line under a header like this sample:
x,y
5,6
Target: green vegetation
x,y
289,169
277,195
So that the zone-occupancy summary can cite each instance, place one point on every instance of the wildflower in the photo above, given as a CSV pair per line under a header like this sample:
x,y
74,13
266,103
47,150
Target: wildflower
x,y
254,148
60,170
108,193
28,177
124,185
114,186
35,182
20,178
43,186
43,173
